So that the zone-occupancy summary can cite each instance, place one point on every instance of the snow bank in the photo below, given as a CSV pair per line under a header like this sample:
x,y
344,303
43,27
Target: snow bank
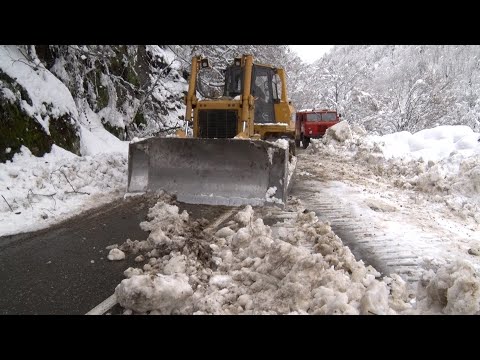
x,y
253,269
432,144
339,132
41,191
443,162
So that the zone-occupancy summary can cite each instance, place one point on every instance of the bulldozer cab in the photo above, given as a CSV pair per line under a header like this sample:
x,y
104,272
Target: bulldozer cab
x,y
265,89
262,91
233,81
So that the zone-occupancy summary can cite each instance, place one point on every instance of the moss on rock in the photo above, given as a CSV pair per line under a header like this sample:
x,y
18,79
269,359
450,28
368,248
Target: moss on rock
x,y
18,129
139,119
64,133
115,130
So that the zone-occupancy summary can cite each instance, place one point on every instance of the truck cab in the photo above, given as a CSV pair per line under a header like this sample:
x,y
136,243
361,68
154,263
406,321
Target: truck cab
x,y
313,124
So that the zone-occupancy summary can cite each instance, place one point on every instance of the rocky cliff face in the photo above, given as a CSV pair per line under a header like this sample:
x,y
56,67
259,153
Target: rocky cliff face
x,y
52,94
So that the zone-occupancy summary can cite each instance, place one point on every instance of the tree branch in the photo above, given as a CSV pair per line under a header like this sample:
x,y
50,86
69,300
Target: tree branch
x,y
7,203
69,183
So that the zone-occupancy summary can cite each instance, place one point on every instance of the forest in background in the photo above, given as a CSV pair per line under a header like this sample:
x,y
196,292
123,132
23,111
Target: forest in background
x,y
138,91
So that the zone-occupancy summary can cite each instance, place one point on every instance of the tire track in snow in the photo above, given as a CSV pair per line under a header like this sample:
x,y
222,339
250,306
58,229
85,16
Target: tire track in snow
x,y
358,206
386,253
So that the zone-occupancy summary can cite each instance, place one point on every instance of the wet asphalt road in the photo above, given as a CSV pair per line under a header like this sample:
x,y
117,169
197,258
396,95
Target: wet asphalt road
x,y
50,271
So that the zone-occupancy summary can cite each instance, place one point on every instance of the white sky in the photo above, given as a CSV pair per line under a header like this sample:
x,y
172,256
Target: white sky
x,y
310,53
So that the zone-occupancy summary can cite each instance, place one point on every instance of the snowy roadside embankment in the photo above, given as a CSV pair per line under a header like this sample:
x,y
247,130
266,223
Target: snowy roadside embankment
x,y
443,162
247,267
40,191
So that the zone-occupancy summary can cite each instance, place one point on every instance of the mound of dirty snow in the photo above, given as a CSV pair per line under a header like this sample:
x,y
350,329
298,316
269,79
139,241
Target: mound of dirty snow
x,y
248,268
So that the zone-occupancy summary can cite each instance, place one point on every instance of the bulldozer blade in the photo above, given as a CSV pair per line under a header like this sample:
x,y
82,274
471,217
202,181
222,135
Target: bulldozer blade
x,y
210,171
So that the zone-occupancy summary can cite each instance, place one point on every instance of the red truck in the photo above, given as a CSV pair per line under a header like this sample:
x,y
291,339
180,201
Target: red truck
x,y
313,124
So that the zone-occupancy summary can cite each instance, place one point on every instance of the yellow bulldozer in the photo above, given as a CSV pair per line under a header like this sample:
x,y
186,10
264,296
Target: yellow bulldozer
x,y
240,149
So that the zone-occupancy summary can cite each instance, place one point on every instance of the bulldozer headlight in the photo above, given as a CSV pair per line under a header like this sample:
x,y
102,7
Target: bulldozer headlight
x,y
205,63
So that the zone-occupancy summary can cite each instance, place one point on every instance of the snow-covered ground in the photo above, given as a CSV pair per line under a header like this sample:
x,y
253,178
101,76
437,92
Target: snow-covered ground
x,y
403,185
300,266
246,267
38,192
440,164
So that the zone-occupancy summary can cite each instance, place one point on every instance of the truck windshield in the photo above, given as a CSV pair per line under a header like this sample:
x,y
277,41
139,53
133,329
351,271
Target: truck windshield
x,y
321,117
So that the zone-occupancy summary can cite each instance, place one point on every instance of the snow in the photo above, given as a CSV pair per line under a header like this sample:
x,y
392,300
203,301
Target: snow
x,y
300,268
292,165
116,254
450,289
46,190
224,232
431,144
42,87
220,281
339,132
245,216
270,152
443,161
282,143
272,124
404,185
144,293
8,95
269,195
100,141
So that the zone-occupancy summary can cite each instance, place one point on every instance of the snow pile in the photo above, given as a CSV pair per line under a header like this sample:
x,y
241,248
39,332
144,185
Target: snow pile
x,y
339,132
443,161
40,191
116,254
247,267
163,293
450,289
164,219
432,144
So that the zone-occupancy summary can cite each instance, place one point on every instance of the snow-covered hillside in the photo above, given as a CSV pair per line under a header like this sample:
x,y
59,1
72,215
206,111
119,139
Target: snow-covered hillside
x,y
72,96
